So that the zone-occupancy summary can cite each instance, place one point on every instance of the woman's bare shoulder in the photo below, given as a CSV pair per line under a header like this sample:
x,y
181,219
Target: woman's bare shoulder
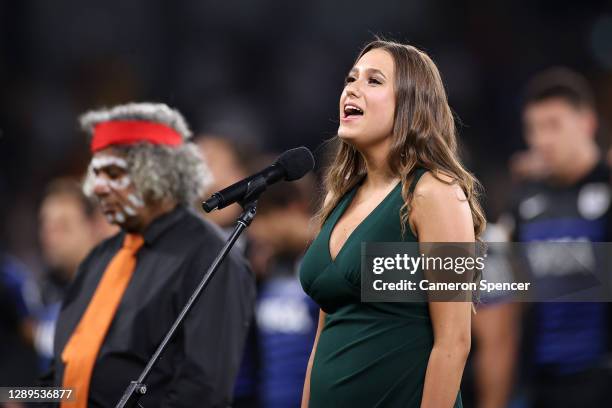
x,y
440,211
440,186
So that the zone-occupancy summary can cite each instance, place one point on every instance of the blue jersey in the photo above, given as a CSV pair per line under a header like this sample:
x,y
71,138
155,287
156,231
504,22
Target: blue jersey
x,y
14,280
567,337
287,323
18,300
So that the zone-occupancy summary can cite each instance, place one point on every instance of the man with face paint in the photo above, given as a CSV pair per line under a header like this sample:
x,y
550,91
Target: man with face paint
x,y
129,289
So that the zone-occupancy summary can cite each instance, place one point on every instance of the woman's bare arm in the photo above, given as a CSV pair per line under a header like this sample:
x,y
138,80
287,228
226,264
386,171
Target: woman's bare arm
x,y
306,392
440,213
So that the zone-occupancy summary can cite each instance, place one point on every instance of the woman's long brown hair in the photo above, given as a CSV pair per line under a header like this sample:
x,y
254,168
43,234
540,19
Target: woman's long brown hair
x,y
424,135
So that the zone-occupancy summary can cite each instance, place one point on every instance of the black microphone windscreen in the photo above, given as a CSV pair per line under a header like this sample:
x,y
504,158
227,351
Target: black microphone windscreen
x,y
296,162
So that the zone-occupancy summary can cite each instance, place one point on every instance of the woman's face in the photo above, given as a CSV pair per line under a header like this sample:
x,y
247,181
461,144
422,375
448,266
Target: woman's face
x,y
367,103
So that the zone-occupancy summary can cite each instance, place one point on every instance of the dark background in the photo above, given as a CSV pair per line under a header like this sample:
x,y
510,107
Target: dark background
x,y
268,73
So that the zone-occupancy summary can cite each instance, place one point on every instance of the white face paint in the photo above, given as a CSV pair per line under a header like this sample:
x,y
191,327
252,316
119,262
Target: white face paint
x,y
120,217
121,183
117,218
118,185
129,210
99,162
136,201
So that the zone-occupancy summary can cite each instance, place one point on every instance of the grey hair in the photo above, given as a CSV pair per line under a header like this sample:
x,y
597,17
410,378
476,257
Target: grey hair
x,y
151,112
160,172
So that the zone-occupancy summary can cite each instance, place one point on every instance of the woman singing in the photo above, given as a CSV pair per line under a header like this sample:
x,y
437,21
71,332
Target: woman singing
x,y
396,176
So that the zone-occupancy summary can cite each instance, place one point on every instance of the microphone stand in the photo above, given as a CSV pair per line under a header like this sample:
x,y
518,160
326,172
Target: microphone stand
x,y
138,388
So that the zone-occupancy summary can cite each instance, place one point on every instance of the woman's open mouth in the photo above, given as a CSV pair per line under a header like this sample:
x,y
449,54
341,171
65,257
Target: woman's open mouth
x,y
351,112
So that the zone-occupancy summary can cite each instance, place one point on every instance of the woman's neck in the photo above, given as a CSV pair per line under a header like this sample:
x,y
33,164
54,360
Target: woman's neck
x,y
378,172
377,166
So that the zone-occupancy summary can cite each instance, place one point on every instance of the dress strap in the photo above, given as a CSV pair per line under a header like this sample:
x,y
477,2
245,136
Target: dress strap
x,y
418,173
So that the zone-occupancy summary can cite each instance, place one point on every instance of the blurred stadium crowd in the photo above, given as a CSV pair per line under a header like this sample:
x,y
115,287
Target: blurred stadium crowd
x,y
254,78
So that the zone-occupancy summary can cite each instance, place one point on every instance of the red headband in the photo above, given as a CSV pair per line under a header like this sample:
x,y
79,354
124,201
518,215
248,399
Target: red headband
x,y
125,132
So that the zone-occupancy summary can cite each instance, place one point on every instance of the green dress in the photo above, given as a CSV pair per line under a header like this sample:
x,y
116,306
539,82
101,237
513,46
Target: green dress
x,y
369,354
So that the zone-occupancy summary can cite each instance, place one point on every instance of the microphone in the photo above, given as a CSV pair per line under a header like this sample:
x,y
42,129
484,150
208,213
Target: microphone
x,y
291,165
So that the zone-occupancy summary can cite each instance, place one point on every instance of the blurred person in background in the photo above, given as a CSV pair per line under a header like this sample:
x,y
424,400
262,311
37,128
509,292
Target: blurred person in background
x,y
565,195
146,174
491,369
70,226
286,317
228,164
528,165
19,301
396,177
